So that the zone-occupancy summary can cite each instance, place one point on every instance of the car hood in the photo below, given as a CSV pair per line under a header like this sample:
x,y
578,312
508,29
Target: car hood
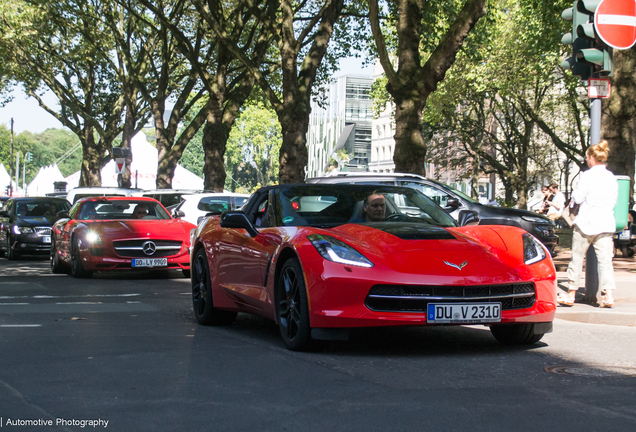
x,y
505,213
129,229
35,221
445,252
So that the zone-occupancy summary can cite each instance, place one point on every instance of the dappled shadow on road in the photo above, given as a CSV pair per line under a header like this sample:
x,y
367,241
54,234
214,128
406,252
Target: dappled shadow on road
x,y
41,266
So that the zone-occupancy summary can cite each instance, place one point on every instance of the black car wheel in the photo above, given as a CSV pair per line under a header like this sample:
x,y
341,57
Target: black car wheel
x,y
515,334
204,311
77,269
11,255
292,307
56,264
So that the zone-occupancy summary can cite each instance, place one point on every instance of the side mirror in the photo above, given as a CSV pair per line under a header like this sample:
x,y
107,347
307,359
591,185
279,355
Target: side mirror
x,y
178,214
237,219
468,217
453,203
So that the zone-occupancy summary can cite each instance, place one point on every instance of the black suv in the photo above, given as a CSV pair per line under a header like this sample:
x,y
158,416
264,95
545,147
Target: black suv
x,y
453,201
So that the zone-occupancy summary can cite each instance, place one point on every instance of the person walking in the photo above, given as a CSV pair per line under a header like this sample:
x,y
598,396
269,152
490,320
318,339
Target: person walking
x,y
596,193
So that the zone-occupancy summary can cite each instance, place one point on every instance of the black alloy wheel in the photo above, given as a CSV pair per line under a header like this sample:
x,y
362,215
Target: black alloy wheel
x,y
56,264
11,255
515,334
292,307
204,311
77,269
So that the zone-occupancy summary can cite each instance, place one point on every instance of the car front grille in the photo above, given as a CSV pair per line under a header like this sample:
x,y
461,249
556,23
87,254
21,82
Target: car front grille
x,y
134,248
415,298
43,231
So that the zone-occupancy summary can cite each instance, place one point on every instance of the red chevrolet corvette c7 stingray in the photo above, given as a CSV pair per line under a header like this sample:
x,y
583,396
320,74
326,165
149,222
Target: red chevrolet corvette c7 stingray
x,y
321,259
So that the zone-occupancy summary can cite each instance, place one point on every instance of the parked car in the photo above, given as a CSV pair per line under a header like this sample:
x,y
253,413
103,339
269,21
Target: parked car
x,y
170,197
25,225
3,200
454,201
119,233
195,207
78,193
317,268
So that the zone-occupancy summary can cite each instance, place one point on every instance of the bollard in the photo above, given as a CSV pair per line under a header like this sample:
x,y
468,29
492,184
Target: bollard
x,y
591,262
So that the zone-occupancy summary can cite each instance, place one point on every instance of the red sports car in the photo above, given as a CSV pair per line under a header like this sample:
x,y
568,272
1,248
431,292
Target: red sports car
x,y
321,259
119,233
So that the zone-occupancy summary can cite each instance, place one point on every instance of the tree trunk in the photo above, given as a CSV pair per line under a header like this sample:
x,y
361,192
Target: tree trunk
x,y
215,136
619,116
124,179
410,148
91,172
293,154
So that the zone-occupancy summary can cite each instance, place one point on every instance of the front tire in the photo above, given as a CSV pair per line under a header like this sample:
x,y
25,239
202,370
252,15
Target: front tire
x,y
515,334
292,307
202,302
77,269
56,265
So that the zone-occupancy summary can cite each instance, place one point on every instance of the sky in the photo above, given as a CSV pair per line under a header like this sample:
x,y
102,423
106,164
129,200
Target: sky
x,y
28,116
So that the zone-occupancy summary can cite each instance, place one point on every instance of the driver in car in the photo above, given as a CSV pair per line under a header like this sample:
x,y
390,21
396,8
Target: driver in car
x,y
375,207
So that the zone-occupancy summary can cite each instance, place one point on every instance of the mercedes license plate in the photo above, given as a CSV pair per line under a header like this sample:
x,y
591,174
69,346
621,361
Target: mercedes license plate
x,y
625,235
150,262
46,239
463,313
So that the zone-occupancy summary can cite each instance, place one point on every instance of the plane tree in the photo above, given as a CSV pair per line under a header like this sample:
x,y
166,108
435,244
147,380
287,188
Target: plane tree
x,y
416,45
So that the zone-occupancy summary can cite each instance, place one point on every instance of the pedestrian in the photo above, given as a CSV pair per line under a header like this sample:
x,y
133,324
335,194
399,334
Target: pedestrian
x,y
547,197
594,225
556,204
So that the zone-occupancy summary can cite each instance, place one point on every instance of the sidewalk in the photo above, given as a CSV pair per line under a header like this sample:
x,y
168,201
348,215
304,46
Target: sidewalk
x,y
624,310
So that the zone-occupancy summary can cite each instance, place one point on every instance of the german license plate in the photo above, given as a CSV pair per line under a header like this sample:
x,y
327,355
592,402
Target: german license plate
x,y
150,262
46,239
463,313
625,235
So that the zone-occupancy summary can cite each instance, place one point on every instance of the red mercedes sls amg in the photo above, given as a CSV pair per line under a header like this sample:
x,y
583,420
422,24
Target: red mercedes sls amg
x,y
118,233
321,259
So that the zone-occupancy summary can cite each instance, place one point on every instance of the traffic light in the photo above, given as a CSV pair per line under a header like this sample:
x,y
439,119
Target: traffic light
x,y
28,156
578,18
598,55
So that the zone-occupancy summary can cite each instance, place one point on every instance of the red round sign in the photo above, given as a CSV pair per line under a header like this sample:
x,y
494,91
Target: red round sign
x,y
615,23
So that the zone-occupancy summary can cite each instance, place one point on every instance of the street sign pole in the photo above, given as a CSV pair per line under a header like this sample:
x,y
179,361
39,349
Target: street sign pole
x,y
591,261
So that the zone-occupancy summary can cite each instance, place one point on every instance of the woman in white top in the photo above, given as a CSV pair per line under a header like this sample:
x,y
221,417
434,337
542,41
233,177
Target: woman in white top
x,y
596,193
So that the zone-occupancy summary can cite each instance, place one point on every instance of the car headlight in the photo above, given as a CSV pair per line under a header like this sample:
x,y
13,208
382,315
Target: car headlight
x,y
533,250
537,219
93,238
334,250
22,229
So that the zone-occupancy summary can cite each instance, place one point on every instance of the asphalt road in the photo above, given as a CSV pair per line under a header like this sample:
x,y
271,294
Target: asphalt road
x,y
124,348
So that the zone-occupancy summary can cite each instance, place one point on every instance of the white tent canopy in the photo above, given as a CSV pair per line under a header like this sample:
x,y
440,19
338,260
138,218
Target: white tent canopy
x,y
143,169
5,179
42,184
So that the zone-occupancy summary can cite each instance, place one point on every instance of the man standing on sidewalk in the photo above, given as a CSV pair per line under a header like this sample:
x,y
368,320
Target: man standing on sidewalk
x,y
556,204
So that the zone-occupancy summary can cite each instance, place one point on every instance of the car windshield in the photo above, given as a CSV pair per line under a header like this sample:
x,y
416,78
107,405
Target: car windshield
x,y
332,205
121,209
40,207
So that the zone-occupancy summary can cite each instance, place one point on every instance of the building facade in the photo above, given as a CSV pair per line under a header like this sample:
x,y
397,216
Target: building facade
x,y
339,135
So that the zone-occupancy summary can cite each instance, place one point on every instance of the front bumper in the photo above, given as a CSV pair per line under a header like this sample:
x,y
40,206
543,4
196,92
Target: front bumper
x,y
104,258
31,243
337,300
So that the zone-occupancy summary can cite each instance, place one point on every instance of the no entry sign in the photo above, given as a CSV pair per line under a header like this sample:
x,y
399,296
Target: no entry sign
x,y
615,22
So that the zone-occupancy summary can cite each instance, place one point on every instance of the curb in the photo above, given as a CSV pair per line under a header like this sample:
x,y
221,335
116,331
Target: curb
x,y
608,317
